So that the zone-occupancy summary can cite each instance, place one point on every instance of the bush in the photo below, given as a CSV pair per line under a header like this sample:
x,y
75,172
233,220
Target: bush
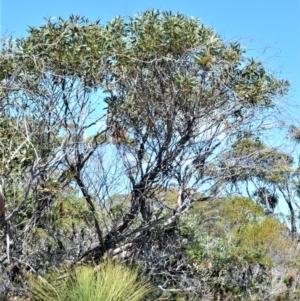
x,y
110,281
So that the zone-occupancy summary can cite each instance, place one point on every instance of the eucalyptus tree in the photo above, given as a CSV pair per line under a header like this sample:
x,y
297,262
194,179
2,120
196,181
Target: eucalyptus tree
x,y
263,172
177,96
49,128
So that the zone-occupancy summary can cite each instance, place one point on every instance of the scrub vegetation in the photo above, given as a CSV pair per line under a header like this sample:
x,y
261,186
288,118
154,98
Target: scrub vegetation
x,y
139,162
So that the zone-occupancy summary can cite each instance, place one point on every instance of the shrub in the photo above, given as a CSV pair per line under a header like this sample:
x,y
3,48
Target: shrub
x,y
109,281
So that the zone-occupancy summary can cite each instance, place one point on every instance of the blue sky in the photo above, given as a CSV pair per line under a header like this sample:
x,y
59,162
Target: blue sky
x,y
271,28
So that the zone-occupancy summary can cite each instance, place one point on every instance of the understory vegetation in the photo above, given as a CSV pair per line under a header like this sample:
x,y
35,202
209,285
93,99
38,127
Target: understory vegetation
x,y
138,162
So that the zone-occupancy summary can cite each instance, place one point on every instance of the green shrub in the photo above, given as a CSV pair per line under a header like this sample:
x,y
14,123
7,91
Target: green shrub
x,y
110,281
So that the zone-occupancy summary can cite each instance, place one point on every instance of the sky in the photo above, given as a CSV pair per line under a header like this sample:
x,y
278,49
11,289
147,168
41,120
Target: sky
x,y
269,29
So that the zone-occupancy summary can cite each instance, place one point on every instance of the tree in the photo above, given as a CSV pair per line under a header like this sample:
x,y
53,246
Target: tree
x,y
177,97
181,103
267,172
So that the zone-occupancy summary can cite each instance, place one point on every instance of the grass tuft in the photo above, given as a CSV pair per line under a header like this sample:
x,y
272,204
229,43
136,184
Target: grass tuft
x,y
110,281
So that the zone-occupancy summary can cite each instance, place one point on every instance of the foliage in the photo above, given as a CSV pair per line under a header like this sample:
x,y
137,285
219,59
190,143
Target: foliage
x,y
168,103
269,171
112,133
234,241
108,281
250,228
